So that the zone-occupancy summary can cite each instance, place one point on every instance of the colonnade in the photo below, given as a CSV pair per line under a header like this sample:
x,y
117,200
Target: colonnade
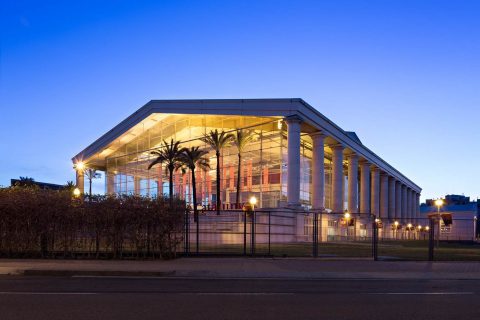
x,y
370,189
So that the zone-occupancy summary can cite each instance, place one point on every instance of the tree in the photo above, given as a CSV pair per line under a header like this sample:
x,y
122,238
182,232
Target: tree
x,y
91,174
218,141
69,186
25,182
241,139
171,155
194,158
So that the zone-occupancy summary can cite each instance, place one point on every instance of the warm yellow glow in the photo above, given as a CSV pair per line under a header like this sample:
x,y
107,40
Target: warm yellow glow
x,y
279,124
79,165
409,225
419,227
253,200
76,192
427,228
347,215
396,223
377,220
439,202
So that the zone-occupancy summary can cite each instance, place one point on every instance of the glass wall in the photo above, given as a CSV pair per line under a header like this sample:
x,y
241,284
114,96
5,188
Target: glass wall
x,y
263,166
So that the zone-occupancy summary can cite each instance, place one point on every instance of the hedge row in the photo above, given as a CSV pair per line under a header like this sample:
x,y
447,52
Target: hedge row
x,y
46,223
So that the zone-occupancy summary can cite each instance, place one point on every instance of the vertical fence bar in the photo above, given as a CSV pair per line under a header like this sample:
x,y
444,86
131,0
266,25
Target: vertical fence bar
x,y
315,234
197,249
375,239
269,232
187,233
244,232
252,245
431,240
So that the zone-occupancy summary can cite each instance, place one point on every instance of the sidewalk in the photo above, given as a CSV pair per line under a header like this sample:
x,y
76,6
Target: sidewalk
x,y
307,268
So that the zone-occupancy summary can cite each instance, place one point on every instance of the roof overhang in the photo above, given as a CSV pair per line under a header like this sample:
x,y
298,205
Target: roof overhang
x,y
246,107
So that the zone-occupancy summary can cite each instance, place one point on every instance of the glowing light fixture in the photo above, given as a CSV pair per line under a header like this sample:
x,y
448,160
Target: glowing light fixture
x,y
76,192
79,166
439,202
396,223
347,215
253,201
409,225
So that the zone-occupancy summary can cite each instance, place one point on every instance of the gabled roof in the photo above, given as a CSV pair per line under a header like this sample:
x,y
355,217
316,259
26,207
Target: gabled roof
x,y
285,107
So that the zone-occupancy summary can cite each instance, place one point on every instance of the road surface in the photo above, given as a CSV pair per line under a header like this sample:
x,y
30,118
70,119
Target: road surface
x,y
103,298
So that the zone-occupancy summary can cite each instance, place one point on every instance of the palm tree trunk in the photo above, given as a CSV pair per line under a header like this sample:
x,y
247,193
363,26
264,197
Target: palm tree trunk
x,y
218,183
239,177
90,189
170,186
194,194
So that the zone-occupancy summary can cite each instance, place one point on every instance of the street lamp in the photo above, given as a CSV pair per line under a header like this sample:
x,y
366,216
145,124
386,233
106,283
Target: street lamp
x,y
253,202
396,224
347,217
439,204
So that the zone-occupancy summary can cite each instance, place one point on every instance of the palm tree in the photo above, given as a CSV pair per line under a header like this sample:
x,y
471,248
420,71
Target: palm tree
x,y
217,140
170,154
241,139
91,174
194,158
69,186
25,182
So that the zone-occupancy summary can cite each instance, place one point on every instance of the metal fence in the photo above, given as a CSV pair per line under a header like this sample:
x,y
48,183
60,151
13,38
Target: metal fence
x,y
287,233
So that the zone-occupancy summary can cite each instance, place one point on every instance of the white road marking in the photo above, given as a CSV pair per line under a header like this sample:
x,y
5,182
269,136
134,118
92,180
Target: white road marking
x,y
423,293
242,294
46,293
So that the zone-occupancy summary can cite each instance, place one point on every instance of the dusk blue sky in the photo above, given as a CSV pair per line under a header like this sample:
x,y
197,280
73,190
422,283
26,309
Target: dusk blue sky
x,y
405,75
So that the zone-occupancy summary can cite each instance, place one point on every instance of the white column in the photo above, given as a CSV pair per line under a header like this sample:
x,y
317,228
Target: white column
x,y
364,187
293,165
417,205
383,195
80,180
353,183
404,202
110,183
136,185
398,200
337,178
409,204
391,198
318,171
375,193
413,211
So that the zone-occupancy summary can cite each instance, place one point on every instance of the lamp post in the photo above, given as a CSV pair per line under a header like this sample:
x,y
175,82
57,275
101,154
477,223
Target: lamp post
x,y
347,217
253,202
439,204
396,229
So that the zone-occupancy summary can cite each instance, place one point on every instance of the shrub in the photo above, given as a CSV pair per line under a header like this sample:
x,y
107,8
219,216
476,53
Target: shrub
x,y
41,223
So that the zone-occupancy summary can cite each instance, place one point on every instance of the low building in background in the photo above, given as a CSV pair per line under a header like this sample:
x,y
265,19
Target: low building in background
x,y
31,182
459,217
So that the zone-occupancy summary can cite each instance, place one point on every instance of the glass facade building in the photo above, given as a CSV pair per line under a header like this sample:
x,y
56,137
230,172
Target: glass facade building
x,y
263,167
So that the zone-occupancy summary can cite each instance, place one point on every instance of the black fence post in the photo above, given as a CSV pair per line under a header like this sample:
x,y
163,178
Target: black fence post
x,y
431,240
187,233
375,239
269,232
315,234
197,245
245,232
252,245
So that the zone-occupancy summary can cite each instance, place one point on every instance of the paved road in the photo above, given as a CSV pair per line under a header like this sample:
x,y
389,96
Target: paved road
x,y
168,298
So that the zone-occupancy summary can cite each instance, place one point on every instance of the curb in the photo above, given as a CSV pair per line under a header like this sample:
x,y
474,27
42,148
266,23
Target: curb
x,y
95,273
